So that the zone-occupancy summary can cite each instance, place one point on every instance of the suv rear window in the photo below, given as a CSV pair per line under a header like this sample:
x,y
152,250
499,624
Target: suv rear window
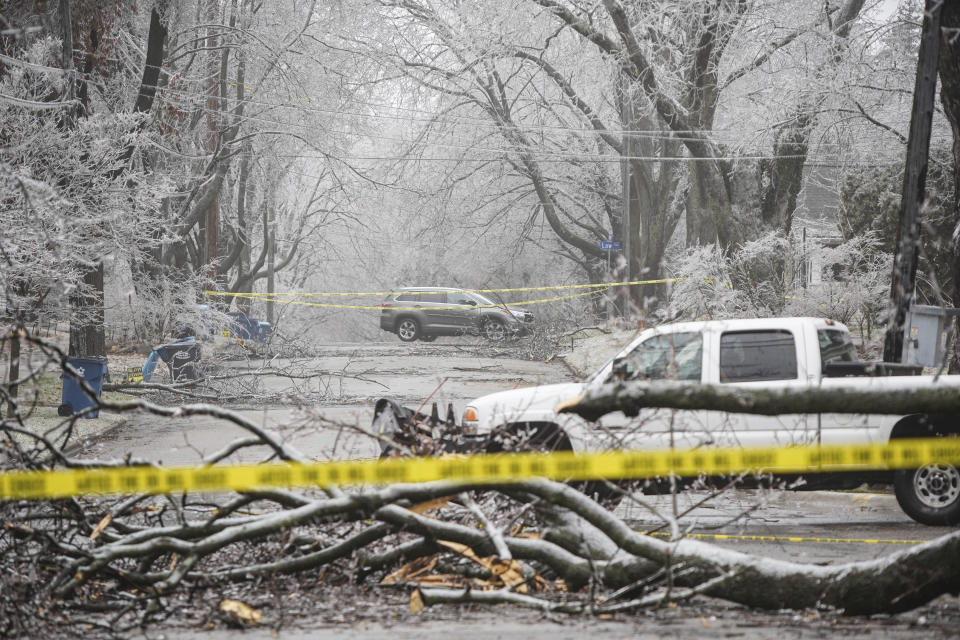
x,y
408,297
433,297
748,356
458,297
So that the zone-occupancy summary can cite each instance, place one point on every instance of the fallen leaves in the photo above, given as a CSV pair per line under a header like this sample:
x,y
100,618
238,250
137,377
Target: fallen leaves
x,y
416,601
503,573
430,505
412,569
240,613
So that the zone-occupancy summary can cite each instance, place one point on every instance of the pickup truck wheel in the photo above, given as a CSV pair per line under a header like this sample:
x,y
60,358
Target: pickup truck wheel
x,y
930,495
494,330
408,329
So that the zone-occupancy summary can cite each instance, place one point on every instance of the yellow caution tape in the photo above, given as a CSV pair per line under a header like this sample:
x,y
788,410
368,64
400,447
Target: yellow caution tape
x,y
262,297
752,538
485,468
559,287
290,297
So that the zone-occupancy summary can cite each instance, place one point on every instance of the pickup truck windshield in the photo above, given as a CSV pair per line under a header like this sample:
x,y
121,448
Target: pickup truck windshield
x,y
669,356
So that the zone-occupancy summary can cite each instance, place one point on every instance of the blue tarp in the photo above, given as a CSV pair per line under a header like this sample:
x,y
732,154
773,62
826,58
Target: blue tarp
x,y
247,328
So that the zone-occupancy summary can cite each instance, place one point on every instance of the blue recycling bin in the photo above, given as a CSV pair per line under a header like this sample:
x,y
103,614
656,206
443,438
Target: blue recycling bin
x,y
74,399
182,358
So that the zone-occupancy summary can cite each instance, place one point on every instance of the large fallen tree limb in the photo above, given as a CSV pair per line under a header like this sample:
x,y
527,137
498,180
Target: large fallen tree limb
x,y
898,582
850,396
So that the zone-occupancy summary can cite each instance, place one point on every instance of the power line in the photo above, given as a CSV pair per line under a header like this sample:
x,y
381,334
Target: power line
x,y
652,134
543,155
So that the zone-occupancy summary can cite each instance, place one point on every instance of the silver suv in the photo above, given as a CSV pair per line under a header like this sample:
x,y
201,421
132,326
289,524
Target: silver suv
x,y
427,312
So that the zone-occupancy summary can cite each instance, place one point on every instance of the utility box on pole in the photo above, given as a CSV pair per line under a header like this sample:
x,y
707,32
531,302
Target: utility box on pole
x,y
925,334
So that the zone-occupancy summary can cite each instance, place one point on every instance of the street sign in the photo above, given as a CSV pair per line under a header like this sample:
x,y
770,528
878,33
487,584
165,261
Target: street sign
x,y
610,245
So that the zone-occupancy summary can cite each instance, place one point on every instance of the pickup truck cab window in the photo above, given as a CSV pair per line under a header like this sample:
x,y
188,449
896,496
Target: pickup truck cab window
x,y
750,356
835,346
669,356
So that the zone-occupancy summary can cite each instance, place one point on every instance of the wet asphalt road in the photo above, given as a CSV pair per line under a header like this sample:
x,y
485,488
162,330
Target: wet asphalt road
x,y
821,527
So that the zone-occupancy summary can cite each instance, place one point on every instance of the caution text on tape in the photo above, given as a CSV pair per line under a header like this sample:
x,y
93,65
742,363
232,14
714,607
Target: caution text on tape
x,y
485,468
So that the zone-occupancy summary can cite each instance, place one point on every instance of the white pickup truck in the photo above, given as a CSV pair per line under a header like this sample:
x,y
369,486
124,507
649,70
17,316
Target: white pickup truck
x,y
759,353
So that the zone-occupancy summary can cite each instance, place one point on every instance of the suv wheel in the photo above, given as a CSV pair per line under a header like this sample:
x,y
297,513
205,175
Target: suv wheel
x,y
408,329
494,330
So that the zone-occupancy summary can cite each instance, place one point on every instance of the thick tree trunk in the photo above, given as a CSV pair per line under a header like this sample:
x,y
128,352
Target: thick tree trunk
x,y
211,214
87,336
154,62
781,177
709,210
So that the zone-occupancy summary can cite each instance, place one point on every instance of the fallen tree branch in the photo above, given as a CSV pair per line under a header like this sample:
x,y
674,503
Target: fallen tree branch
x,y
884,395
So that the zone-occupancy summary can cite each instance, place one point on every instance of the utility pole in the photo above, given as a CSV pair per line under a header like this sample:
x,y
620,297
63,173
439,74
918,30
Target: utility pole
x,y
914,182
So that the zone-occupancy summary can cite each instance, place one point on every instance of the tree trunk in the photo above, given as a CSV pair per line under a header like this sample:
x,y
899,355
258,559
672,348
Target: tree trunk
x,y
14,371
244,193
271,259
87,337
781,177
154,61
709,211
210,220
